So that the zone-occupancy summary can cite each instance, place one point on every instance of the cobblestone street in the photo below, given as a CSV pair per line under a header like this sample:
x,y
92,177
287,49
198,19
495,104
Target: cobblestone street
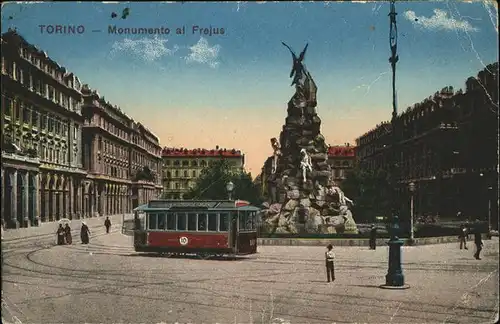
x,y
107,282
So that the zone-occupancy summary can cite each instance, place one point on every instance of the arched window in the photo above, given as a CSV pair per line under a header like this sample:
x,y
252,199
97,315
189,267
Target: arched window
x,y
194,173
177,173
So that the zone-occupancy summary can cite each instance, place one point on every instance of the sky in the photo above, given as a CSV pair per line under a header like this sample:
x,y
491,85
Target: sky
x,y
231,88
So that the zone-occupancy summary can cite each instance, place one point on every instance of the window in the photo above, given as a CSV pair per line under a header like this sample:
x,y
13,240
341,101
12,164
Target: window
x,y
223,222
8,110
34,118
212,222
185,163
191,222
26,115
177,162
250,225
194,163
243,221
202,222
51,124
186,174
75,131
171,222
51,93
161,221
167,162
176,173
152,221
17,110
181,221
194,173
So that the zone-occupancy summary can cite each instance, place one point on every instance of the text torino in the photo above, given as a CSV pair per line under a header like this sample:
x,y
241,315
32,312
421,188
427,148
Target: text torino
x,y
62,29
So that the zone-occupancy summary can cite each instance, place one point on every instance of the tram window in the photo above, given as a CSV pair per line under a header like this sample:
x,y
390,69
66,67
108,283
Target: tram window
x,y
191,222
212,222
223,222
161,221
152,221
249,221
181,221
202,222
243,221
171,221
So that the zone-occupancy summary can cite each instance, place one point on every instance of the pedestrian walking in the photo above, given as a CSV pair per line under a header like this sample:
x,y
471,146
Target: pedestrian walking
x,y
373,237
60,235
67,234
107,224
478,241
463,236
84,233
330,268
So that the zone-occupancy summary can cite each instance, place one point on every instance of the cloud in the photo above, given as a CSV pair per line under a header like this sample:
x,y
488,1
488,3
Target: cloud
x,y
439,21
147,49
202,53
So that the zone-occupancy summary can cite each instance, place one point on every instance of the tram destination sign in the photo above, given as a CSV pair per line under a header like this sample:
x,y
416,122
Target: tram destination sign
x,y
182,204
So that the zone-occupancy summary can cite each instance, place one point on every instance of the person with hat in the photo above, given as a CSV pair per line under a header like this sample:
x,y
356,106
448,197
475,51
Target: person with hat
x,y
329,258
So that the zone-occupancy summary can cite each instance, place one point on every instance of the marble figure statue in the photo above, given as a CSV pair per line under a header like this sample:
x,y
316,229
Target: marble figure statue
x,y
305,164
276,153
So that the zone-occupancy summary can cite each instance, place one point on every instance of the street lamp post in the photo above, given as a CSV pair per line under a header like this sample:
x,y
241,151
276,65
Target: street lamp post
x,y
230,188
411,187
489,210
394,278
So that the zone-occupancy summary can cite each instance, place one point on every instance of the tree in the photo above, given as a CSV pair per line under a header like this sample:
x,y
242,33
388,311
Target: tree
x,y
212,184
370,190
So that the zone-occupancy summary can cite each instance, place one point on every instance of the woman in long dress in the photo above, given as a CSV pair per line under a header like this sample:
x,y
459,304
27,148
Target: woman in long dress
x,y
60,235
67,231
84,233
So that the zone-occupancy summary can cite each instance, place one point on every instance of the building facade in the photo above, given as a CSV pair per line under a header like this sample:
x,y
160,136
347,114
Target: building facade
x,y
42,176
448,147
342,159
122,158
182,167
47,172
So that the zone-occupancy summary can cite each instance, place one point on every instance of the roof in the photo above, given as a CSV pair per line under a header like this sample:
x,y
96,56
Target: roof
x,y
341,151
206,205
198,152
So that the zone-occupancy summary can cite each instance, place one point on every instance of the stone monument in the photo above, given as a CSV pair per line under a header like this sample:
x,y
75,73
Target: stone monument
x,y
304,198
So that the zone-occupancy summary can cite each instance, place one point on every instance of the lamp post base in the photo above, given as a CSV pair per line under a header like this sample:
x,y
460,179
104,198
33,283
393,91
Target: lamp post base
x,y
395,277
403,287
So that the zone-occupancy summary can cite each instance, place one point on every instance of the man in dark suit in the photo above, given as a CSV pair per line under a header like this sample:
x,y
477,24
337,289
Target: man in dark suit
x,y
373,237
478,240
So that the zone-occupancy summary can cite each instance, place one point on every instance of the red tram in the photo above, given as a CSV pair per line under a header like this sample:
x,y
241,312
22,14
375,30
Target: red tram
x,y
203,227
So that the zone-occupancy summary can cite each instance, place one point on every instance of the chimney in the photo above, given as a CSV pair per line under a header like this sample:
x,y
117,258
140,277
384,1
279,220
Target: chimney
x,y
216,147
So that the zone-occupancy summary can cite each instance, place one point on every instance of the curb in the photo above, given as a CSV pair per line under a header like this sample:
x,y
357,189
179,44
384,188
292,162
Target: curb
x,y
355,242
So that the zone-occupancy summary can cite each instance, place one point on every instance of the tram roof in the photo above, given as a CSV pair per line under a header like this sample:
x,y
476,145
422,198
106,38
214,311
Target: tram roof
x,y
208,205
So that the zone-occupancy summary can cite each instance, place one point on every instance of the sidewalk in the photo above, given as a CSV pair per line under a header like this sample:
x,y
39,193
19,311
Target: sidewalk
x,y
50,228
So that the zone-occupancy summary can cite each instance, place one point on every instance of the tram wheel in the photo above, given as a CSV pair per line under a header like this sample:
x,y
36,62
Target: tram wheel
x,y
204,256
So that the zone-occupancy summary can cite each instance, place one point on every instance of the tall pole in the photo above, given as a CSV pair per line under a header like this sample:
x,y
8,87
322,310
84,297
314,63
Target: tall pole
x,y
393,42
412,190
411,218
394,278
